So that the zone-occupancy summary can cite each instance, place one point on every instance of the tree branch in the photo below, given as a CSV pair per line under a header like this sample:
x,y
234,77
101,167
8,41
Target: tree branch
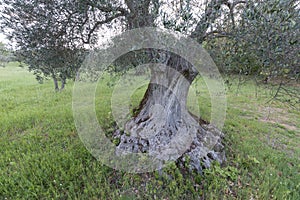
x,y
234,4
139,15
130,5
209,16
108,9
231,7
217,34
99,23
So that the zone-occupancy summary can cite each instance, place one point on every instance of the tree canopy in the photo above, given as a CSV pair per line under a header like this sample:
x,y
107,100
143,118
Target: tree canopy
x,y
262,34
41,28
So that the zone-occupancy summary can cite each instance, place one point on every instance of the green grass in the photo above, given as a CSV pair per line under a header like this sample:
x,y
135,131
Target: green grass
x,y
42,157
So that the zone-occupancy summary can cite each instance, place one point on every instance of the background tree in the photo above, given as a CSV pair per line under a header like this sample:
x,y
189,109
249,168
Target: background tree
x,y
265,43
47,36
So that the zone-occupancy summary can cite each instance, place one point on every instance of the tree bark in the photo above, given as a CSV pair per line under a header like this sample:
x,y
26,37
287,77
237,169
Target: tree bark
x,y
63,83
55,82
163,127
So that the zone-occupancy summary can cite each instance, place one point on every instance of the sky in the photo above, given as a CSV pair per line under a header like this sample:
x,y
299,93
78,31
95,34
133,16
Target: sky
x,y
3,39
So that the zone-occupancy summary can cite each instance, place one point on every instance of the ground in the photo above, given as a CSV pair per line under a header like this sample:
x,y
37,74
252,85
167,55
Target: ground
x,y
42,157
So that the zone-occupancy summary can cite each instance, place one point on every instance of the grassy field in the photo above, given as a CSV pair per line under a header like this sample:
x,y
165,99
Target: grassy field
x,y
42,157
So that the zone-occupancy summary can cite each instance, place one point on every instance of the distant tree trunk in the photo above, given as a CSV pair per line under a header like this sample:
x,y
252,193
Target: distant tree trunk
x,y
63,83
55,82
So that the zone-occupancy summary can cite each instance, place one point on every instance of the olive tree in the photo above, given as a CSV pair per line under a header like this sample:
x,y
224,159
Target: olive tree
x,y
264,43
40,32
45,30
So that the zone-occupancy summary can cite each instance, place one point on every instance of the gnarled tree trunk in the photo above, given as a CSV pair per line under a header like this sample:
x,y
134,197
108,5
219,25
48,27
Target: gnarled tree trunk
x,y
163,127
